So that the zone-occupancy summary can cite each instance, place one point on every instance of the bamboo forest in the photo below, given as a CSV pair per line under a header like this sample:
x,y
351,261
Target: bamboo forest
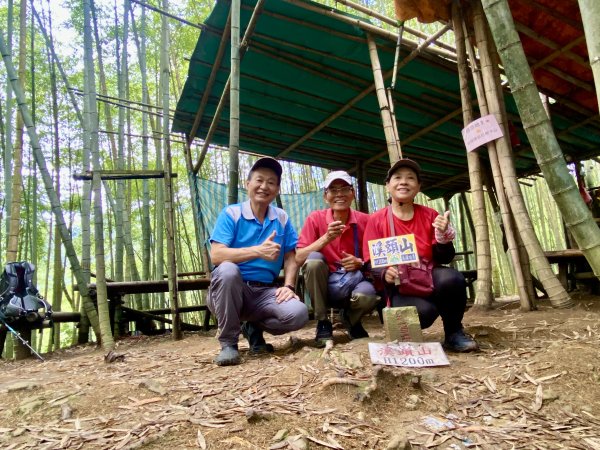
x,y
137,141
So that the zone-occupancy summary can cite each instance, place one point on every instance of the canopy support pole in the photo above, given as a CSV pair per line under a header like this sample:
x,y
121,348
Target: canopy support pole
x,y
243,48
480,230
210,82
363,94
361,178
393,144
234,105
497,176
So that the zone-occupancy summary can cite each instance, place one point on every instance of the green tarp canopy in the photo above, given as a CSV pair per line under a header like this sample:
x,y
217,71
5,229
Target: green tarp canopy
x,y
303,67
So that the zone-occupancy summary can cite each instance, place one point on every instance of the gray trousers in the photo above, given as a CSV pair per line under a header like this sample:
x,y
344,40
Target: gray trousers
x,y
231,300
316,280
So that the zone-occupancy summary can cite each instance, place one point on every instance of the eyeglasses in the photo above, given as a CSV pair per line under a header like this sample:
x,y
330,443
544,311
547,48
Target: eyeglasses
x,y
336,191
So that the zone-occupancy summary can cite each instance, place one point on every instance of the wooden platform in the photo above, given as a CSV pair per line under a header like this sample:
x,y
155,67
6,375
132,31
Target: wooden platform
x,y
117,289
567,261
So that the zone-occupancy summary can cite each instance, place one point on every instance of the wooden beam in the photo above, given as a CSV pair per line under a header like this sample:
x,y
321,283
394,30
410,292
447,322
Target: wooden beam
x,y
558,52
118,288
132,313
122,174
549,43
554,13
421,132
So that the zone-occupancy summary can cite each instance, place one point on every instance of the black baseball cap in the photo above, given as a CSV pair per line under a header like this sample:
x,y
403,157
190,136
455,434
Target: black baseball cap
x,y
269,163
404,162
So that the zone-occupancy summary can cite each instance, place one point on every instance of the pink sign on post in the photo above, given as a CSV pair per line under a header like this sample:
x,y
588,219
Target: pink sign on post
x,y
481,131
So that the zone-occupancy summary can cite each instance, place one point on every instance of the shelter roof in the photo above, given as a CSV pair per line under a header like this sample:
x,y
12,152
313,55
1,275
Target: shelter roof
x,y
307,96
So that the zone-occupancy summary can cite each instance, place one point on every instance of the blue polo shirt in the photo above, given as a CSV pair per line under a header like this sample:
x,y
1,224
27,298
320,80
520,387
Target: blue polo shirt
x,y
237,227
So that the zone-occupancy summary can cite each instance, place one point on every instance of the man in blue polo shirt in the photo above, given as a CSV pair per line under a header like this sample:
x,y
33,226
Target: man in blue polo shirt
x,y
250,243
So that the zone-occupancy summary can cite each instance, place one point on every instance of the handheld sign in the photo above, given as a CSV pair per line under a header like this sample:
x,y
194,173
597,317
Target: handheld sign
x,y
393,251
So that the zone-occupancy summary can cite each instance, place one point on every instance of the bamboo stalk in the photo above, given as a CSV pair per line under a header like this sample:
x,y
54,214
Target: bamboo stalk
x,y
211,78
556,292
484,295
498,182
243,48
168,167
393,146
363,201
539,130
234,105
590,15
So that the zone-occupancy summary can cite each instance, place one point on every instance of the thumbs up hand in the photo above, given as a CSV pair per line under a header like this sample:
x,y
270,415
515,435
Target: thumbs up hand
x,y
269,250
441,222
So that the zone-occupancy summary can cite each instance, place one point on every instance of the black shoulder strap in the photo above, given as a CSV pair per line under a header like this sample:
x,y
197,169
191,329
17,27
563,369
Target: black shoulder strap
x,y
357,249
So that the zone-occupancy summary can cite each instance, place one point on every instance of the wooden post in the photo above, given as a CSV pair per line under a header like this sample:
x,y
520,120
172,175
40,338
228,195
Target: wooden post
x,y
393,146
361,178
168,166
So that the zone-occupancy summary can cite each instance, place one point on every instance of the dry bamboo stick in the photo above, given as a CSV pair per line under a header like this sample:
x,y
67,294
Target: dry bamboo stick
x,y
556,292
421,132
497,177
484,295
393,145
169,15
234,104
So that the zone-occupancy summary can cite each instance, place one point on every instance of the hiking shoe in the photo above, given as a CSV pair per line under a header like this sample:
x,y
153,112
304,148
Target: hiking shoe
x,y
256,341
355,331
324,332
229,356
459,341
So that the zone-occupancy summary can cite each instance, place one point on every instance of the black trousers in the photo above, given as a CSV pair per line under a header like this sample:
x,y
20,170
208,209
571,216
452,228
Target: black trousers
x,y
449,300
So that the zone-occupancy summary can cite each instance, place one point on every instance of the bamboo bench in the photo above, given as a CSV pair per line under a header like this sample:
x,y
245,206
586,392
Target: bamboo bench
x,y
567,261
115,291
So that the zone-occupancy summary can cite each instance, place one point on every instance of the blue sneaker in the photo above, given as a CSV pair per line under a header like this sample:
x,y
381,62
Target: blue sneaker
x,y
461,342
256,341
229,356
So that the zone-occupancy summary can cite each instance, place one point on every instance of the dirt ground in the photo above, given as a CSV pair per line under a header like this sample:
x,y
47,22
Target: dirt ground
x,y
535,384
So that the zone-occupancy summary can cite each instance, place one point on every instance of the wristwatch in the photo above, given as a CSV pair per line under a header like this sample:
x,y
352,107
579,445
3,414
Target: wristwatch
x,y
291,288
